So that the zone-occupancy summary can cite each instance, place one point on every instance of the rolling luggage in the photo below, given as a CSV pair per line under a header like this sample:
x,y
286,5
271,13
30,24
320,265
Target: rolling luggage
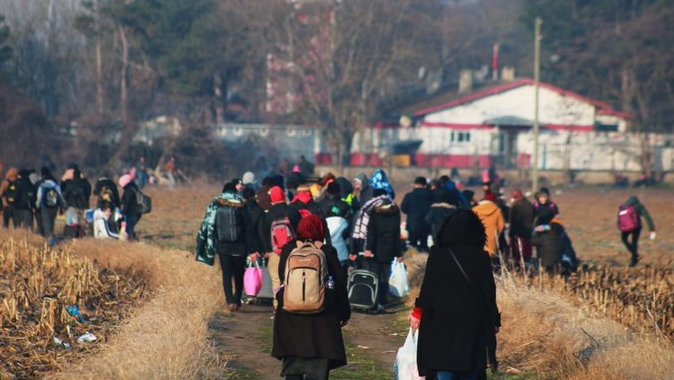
x,y
362,287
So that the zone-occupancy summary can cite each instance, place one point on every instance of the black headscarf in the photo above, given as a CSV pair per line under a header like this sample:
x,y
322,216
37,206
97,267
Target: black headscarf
x,y
462,227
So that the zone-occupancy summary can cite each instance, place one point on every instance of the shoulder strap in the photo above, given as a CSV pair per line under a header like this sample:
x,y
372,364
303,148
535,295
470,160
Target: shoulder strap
x,y
463,272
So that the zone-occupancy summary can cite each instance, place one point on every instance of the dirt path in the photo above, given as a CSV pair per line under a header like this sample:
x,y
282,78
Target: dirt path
x,y
244,339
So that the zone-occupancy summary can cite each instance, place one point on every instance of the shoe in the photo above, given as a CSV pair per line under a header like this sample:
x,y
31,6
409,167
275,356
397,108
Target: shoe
x,y
379,310
232,307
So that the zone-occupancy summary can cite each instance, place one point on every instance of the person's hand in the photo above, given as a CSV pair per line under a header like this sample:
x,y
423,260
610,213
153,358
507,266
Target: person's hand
x,y
497,329
400,259
653,235
368,254
266,255
414,322
254,256
353,257
343,323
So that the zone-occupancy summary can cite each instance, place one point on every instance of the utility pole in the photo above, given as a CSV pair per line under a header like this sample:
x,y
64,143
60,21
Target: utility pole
x,y
537,78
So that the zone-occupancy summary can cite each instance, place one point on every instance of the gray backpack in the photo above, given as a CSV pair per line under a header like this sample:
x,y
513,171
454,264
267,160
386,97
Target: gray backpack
x,y
228,224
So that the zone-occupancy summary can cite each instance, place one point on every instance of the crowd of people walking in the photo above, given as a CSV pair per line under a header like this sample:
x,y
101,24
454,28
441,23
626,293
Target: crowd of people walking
x,y
33,201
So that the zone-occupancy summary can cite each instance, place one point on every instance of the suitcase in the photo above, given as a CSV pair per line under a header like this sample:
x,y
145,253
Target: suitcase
x,y
363,286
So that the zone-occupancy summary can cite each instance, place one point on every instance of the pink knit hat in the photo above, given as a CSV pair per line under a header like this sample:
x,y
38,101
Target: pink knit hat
x,y
124,180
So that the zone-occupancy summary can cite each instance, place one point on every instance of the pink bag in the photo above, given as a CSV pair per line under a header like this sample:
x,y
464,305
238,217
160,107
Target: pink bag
x,y
252,279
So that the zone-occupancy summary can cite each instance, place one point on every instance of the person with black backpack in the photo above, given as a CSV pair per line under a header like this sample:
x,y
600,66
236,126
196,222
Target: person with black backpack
x,y
629,224
8,194
24,200
49,202
130,206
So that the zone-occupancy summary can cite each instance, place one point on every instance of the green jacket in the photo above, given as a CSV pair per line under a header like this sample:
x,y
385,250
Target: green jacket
x,y
633,201
206,238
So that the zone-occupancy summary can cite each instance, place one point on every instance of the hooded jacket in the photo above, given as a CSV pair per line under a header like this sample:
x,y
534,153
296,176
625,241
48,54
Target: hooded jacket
x,y
633,201
207,245
458,317
379,180
383,232
492,218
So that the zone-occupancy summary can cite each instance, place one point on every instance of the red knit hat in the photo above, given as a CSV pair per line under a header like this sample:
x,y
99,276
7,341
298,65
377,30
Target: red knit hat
x,y
311,228
276,195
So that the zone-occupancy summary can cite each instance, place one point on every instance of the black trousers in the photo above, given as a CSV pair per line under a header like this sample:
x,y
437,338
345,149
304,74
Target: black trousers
x,y
233,267
8,213
383,271
418,240
24,218
633,245
295,368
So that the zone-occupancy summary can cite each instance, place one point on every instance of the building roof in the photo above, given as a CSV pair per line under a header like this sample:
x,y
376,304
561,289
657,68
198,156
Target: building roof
x,y
423,109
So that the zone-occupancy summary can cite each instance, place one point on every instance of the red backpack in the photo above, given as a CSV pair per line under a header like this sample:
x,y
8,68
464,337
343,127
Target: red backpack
x,y
282,232
628,219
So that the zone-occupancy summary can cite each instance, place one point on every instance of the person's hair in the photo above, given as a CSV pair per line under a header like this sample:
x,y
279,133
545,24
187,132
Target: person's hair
x,y
46,173
77,174
443,180
236,181
378,192
248,193
333,188
421,181
105,206
229,187
268,182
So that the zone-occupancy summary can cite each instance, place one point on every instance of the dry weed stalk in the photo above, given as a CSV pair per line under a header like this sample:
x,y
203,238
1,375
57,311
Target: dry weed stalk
x,y
36,285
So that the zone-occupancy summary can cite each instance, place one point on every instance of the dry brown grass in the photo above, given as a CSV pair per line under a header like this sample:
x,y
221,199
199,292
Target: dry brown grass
x,y
36,285
545,335
167,337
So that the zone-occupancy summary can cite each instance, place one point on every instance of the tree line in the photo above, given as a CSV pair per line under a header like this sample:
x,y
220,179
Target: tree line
x,y
94,69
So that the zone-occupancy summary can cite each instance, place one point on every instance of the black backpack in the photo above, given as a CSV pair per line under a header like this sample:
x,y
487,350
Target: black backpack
x,y
228,224
78,196
143,202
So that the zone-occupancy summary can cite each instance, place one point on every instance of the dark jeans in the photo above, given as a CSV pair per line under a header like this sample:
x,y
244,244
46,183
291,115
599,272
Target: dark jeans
x,y
295,368
131,221
46,221
632,246
24,218
232,267
7,215
446,375
418,240
383,271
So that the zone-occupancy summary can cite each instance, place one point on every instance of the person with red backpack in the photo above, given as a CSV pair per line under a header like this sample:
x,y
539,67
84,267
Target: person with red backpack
x,y
629,224
279,227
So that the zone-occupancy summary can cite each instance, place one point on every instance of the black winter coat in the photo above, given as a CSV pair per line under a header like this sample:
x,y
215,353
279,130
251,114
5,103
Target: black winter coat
x,y
76,192
129,200
244,244
459,319
25,195
383,233
416,205
276,212
543,214
317,336
521,219
550,245
256,217
437,215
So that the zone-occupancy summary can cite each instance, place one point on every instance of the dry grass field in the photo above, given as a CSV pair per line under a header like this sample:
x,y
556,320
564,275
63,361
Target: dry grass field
x,y
598,325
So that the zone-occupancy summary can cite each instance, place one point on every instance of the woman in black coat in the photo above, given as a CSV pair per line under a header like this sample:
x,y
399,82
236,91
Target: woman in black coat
x,y
311,344
457,317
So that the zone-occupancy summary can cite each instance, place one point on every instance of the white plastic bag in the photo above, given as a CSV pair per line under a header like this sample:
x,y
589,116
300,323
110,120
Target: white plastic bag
x,y
405,367
399,285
